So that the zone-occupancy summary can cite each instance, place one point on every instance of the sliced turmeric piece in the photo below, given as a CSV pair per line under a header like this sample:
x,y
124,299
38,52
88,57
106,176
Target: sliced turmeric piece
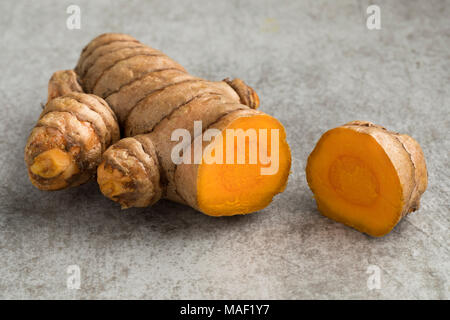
x,y
366,177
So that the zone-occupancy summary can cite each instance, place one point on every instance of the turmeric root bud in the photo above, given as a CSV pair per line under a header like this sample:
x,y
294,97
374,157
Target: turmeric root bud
x,y
51,163
366,177
63,82
52,169
248,96
114,184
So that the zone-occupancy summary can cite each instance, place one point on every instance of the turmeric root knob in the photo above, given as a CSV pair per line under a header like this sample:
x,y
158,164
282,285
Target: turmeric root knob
x,y
63,82
67,142
129,175
51,159
366,177
247,95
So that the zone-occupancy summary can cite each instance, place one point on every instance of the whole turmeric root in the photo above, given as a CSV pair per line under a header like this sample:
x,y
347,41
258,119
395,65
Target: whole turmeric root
x,y
153,96
66,145
366,177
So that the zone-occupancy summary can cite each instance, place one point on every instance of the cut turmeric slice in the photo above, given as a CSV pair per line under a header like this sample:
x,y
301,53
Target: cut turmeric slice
x,y
366,177
240,188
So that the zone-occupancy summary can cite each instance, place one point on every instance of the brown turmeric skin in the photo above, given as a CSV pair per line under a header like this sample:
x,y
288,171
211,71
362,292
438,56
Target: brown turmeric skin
x,y
152,96
367,177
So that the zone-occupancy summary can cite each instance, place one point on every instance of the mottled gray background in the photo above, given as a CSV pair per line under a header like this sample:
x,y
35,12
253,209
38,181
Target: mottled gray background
x,y
315,66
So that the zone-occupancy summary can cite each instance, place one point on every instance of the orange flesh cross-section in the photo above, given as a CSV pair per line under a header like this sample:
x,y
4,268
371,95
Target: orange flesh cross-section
x,y
229,189
355,182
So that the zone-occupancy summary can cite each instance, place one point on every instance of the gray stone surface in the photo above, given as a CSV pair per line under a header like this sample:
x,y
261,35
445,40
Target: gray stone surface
x,y
315,66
